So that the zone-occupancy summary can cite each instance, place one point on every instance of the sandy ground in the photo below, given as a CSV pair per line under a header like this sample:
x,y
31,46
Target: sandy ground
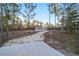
x,y
26,39
32,46
30,49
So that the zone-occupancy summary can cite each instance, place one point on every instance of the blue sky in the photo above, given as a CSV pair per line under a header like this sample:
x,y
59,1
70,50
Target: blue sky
x,y
42,13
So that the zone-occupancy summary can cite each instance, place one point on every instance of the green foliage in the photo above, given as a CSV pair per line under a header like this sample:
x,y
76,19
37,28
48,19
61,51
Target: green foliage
x,y
70,16
54,9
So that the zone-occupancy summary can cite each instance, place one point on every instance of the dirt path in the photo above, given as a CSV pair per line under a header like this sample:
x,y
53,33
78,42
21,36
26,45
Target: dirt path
x,y
26,39
32,46
29,49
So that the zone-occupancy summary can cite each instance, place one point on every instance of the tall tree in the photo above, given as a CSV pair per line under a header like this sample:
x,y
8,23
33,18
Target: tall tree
x,y
6,18
30,7
55,10
15,8
70,16
49,8
1,20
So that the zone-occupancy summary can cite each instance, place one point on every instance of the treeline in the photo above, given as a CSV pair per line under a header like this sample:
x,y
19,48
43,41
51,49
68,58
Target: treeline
x,y
8,15
10,21
67,15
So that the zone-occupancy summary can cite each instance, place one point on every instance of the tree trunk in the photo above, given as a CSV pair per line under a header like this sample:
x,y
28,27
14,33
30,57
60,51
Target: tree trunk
x,y
55,22
6,24
29,18
13,21
13,17
58,24
7,30
49,23
1,22
49,17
